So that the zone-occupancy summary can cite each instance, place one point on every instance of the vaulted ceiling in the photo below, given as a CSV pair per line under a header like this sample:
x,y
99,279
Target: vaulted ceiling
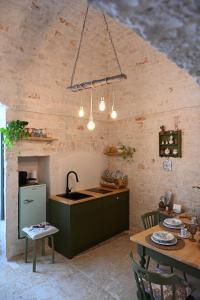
x,y
172,26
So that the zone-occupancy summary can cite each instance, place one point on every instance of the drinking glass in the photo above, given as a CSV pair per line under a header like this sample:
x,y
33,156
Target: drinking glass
x,y
192,228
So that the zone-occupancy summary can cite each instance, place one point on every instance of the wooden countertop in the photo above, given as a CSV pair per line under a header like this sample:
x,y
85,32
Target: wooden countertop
x,y
190,254
93,194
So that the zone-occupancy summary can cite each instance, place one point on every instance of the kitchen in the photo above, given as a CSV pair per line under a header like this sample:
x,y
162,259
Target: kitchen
x,y
39,43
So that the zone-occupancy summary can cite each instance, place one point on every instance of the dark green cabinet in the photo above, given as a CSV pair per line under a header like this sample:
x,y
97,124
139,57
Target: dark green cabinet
x,y
85,224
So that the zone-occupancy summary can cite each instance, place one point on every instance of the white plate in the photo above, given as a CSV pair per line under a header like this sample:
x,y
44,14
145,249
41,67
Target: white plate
x,y
184,236
163,236
173,222
172,227
164,243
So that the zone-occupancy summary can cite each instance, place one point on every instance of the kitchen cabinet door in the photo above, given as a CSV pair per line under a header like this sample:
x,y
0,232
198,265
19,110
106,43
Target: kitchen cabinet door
x,y
115,214
85,225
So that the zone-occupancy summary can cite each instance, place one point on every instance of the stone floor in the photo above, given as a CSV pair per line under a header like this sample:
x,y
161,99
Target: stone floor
x,y
102,272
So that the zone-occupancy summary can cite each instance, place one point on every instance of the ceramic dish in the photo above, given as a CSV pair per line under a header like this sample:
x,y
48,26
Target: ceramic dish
x,y
173,222
172,227
163,236
171,243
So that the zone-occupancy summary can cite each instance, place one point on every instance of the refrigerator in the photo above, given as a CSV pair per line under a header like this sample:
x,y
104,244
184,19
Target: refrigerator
x,y
32,206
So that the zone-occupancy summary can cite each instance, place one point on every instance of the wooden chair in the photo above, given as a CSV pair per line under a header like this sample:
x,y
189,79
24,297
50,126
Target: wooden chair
x,y
149,220
152,285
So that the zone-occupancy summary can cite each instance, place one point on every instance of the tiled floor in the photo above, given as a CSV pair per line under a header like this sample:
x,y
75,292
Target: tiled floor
x,y
102,272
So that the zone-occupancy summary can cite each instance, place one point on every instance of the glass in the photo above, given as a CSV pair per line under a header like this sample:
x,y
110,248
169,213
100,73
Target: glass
x,y
192,228
183,232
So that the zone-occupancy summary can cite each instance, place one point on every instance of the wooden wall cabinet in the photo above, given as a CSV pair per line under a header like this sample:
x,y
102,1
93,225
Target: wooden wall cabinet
x,y
170,143
86,224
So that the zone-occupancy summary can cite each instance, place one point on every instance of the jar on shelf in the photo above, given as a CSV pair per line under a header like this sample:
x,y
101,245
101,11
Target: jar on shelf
x,y
171,139
44,133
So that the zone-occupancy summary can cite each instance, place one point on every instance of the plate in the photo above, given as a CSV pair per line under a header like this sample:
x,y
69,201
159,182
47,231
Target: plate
x,y
163,236
172,227
173,222
171,243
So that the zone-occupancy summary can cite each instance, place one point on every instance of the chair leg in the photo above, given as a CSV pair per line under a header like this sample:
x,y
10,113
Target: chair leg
x,y
52,248
43,246
34,255
148,261
26,249
185,277
172,269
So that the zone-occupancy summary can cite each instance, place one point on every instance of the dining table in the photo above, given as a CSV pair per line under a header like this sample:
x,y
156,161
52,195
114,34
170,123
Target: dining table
x,y
186,259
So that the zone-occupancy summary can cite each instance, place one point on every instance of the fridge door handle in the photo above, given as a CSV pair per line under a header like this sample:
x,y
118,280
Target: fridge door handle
x,y
28,201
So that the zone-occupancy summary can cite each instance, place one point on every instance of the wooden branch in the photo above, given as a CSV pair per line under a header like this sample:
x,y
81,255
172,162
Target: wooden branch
x,y
95,83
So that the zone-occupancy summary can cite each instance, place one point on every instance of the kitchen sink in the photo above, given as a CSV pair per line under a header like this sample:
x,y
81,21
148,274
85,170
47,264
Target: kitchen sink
x,y
74,196
99,190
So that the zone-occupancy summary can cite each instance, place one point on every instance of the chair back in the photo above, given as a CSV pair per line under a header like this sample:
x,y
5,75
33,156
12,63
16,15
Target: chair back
x,y
150,219
146,279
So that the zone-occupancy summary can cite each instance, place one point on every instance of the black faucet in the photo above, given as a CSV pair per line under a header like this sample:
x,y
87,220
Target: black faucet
x,y
68,190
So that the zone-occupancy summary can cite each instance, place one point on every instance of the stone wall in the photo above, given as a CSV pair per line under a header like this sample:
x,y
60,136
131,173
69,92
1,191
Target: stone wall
x,y
156,93
37,50
38,45
173,27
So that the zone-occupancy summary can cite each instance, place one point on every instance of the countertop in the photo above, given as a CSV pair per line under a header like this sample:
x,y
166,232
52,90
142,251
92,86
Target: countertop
x,y
95,195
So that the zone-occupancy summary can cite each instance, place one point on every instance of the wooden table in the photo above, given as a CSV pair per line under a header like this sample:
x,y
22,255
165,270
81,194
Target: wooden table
x,y
186,259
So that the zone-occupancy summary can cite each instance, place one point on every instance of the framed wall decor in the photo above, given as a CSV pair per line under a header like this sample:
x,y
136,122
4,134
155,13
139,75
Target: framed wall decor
x,y
167,165
170,143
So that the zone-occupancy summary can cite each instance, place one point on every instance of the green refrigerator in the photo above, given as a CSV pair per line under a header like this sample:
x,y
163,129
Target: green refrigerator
x,y
32,206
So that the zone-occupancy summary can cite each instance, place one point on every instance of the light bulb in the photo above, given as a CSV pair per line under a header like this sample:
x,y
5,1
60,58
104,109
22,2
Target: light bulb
x,y
91,124
113,114
81,112
102,105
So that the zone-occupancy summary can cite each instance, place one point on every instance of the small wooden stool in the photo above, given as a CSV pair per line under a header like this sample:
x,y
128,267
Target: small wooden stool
x,y
36,234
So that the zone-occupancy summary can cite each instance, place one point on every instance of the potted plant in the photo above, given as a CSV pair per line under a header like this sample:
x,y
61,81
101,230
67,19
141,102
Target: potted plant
x,y
126,152
13,132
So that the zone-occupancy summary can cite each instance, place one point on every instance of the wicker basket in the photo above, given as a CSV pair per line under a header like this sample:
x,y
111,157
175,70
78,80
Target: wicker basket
x,y
114,183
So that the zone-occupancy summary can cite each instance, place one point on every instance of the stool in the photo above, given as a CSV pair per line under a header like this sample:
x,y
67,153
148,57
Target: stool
x,y
35,233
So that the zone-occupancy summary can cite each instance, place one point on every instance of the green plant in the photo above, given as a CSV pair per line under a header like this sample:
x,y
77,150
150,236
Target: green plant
x,y
13,132
126,152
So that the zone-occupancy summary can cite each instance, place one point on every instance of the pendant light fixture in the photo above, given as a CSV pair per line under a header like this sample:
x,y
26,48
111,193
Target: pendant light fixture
x,y
113,112
90,84
101,81
91,124
81,112
102,104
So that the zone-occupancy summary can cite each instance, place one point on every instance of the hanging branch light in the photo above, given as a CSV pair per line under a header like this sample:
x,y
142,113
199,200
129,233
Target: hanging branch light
x,y
81,112
91,124
102,104
113,112
99,82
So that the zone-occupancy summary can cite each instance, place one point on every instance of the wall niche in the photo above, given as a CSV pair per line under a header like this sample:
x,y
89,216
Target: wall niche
x,y
39,164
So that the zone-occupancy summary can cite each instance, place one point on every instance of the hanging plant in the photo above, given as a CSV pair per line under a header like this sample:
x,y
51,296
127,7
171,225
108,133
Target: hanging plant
x,y
13,132
126,152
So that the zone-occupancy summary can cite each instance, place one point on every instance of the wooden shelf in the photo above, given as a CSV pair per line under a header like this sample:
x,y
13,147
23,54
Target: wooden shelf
x,y
39,139
112,153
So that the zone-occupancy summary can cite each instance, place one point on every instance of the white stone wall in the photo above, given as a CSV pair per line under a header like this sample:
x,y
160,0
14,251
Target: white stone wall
x,y
38,46
38,42
156,93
